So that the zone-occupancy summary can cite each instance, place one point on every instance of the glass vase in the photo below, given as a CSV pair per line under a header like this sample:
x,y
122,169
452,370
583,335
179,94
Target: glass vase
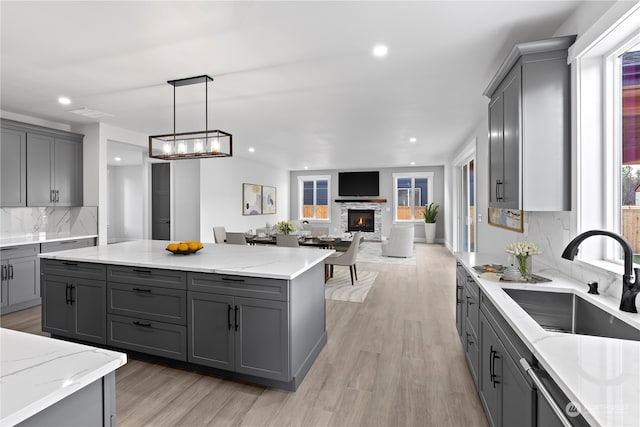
x,y
524,266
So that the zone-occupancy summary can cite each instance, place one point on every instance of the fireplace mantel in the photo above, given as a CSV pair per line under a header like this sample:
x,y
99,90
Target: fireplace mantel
x,y
360,200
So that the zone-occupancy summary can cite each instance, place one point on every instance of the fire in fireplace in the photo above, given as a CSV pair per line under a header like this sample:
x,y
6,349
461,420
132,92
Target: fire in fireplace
x,y
360,220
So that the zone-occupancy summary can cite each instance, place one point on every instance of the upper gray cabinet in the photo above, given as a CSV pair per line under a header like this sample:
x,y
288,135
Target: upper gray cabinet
x,y
529,128
50,169
13,168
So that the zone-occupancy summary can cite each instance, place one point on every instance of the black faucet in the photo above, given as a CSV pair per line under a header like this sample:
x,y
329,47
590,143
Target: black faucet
x,y
629,288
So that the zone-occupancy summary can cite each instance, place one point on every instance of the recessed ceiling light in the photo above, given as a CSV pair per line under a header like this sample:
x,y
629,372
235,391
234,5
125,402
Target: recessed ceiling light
x,y
413,163
64,100
306,167
251,149
380,50
412,139
117,159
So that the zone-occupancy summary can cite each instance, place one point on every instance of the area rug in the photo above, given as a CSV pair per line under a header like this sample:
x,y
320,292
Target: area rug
x,y
339,287
371,252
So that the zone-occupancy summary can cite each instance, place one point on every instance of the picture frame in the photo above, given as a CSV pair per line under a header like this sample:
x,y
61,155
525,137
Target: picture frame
x,y
251,199
268,200
509,219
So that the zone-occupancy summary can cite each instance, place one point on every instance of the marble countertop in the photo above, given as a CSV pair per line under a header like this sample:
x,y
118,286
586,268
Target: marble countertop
x,y
601,374
37,371
254,261
35,238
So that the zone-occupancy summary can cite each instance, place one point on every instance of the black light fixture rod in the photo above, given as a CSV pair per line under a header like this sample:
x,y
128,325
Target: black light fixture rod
x,y
174,116
206,105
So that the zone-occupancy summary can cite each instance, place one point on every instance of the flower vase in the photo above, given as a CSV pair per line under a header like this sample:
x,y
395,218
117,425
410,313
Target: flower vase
x,y
524,263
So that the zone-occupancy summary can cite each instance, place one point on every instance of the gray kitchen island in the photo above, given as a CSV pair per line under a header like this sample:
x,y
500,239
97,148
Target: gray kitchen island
x,y
249,313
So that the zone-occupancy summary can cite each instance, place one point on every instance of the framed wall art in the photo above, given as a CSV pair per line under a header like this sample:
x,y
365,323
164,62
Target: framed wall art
x,y
268,199
251,199
510,219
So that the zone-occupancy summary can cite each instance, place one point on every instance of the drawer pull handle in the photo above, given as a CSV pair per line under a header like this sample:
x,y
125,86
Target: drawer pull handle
x,y
545,393
142,290
141,270
236,317
74,264
66,242
229,316
231,279
144,325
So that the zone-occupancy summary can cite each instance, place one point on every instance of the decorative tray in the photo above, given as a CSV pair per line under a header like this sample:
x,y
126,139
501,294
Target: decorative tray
x,y
187,252
497,268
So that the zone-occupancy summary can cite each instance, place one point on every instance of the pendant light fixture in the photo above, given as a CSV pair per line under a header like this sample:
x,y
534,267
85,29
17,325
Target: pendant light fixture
x,y
191,145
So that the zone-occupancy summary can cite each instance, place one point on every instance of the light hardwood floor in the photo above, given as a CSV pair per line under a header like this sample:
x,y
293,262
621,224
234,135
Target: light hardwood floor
x,y
394,360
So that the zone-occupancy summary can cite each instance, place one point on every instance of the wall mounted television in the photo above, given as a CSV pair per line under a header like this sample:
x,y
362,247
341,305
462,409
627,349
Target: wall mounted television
x,y
359,183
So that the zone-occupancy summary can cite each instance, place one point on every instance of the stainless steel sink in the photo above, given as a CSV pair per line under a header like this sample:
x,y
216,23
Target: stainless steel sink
x,y
569,313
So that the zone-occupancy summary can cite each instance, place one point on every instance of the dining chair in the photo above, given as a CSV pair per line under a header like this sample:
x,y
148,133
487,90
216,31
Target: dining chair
x,y
236,239
219,234
288,240
346,258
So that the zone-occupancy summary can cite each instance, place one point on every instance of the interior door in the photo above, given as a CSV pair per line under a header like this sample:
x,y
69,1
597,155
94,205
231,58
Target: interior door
x,y
467,214
160,201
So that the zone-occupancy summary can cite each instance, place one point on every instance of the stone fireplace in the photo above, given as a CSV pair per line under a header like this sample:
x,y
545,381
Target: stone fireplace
x,y
360,220
373,222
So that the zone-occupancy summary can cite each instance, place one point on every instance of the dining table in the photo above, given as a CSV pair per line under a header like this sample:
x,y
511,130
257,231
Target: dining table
x,y
335,243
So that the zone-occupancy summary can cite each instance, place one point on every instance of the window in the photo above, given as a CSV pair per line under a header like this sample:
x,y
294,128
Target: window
x,y
411,192
628,121
314,197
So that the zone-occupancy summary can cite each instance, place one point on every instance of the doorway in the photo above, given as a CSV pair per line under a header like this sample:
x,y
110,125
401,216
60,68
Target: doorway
x,y
160,201
467,206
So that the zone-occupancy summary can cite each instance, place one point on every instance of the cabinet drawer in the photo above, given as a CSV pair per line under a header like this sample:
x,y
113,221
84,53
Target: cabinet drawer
x,y
67,244
22,251
472,310
147,276
241,286
157,338
473,354
82,270
148,302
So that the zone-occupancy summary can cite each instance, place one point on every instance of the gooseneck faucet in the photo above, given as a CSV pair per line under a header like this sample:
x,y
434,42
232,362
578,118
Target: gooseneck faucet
x,y
630,288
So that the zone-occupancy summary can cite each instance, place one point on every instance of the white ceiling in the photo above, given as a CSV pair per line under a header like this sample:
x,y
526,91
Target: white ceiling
x,y
295,80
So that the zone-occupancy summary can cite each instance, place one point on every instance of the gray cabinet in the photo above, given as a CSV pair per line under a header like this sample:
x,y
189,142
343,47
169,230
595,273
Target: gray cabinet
x,y
74,300
19,272
54,172
529,124
13,168
460,279
239,333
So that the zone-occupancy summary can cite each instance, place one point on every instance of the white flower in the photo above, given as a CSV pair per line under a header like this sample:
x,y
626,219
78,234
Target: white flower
x,y
522,249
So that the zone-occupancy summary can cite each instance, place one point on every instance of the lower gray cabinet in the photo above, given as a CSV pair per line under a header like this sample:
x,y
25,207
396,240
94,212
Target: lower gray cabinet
x,y
245,335
74,307
19,273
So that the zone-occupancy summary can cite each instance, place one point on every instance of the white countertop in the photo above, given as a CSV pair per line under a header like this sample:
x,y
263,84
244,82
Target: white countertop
x,y
257,261
601,374
38,371
35,238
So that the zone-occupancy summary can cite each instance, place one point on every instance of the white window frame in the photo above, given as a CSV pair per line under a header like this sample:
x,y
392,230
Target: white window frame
x,y
314,178
413,176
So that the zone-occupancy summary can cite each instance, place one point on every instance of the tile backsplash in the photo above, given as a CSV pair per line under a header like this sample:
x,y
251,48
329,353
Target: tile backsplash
x,y
81,220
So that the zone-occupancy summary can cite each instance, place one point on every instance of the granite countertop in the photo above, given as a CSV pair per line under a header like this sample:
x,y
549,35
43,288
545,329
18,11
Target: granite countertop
x,y
601,374
255,261
37,371
35,238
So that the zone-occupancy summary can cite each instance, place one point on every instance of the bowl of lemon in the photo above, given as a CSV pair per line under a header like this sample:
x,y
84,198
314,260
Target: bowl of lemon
x,y
184,248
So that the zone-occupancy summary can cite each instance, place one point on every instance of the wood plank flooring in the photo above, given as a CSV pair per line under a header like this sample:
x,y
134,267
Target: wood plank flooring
x,y
394,360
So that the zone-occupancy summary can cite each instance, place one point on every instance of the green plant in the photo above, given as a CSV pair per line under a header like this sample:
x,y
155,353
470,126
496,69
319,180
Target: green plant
x,y
286,227
430,213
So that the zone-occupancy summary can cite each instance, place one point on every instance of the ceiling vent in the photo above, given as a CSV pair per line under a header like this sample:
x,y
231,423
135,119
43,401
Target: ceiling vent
x,y
93,114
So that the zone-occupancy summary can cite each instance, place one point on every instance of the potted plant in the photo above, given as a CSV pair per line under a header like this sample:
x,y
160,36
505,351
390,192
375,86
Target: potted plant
x,y
285,227
430,214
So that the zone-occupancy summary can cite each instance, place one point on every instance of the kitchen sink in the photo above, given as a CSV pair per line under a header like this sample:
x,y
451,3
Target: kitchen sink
x,y
569,313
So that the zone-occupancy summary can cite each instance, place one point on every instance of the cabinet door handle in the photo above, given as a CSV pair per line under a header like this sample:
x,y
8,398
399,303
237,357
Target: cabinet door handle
x,y
236,317
142,270
67,296
57,196
470,301
545,393
4,272
69,263
51,195
148,291
491,374
10,271
231,279
494,356
229,316
144,325
72,290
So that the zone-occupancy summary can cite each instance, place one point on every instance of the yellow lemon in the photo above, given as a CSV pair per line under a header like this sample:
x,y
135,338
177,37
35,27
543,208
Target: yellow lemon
x,y
183,247
194,246
172,247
